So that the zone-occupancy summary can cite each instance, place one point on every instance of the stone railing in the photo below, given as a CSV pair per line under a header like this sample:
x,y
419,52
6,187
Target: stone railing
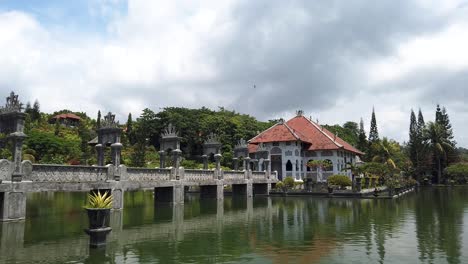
x,y
63,173
198,175
258,175
233,175
147,174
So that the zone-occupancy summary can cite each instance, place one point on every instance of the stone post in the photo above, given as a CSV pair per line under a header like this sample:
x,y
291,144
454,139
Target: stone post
x,y
218,161
176,157
116,150
18,138
235,162
205,162
176,161
266,167
100,154
247,163
162,159
218,166
255,165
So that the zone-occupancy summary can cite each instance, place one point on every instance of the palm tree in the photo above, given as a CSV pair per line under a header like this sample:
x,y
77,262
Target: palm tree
x,y
434,135
384,150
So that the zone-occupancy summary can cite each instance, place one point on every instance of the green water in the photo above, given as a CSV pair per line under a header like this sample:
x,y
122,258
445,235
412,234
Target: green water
x,y
427,227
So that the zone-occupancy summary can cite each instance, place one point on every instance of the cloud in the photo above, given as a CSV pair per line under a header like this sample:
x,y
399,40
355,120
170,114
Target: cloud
x,y
333,59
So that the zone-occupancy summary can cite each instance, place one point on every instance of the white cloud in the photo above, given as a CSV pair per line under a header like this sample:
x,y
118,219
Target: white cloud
x,y
194,53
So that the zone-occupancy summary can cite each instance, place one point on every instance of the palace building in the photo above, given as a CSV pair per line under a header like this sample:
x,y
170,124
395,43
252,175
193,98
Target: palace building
x,y
292,144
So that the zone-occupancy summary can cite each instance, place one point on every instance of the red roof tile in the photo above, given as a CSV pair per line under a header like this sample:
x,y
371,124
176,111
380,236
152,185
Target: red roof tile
x,y
276,133
67,116
305,130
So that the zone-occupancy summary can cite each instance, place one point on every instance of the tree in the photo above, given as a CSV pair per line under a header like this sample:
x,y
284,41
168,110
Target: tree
x,y
385,152
435,135
98,120
413,139
362,144
373,133
129,131
36,111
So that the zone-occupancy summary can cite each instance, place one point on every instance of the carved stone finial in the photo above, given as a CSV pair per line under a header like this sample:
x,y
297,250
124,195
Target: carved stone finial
x,y
109,121
212,139
241,143
170,131
12,104
299,113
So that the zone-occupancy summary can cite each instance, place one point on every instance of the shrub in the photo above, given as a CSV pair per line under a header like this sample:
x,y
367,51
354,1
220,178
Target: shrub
x,y
457,172
279,186
339,180
288,182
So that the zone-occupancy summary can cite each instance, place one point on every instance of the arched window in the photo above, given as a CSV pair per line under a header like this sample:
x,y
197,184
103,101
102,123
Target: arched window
x,y
297,165
289,166
275,150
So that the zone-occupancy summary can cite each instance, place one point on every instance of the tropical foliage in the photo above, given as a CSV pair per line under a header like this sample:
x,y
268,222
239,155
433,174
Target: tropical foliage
x,y
96,200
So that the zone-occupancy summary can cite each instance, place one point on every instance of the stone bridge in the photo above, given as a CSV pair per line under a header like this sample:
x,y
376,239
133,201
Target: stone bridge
x,y
18,177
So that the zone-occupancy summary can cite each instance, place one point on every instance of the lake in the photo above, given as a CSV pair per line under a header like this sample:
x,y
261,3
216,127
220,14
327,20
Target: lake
x,y
423,227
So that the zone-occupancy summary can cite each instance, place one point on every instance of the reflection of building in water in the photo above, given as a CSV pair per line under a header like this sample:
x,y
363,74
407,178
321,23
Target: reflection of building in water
x,y
292,144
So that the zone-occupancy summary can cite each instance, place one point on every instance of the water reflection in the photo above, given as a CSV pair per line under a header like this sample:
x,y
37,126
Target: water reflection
x,y
254,230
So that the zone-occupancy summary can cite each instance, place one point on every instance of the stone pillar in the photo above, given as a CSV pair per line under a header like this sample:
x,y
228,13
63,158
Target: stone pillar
x,y
255,165
176,153
205,162
179,192
18,138
162,159
178,221
100,154
116,220
11,238
118,199
116,150
218,161
266,167
249,189
247,163
12,205
235,162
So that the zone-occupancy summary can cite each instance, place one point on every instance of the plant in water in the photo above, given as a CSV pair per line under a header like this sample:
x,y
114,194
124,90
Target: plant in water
x,y
99,201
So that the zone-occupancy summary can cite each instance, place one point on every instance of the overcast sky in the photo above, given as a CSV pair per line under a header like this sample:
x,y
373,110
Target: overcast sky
x,y
333,59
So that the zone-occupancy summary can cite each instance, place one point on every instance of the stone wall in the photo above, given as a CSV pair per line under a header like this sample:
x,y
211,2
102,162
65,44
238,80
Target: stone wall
x,y
61,173
146,174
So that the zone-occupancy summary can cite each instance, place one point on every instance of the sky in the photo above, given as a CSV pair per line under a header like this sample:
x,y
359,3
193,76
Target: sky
x,y
335,60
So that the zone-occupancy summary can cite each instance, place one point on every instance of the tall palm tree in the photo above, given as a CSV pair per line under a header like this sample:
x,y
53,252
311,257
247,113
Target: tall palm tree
x,y
384,153
434,135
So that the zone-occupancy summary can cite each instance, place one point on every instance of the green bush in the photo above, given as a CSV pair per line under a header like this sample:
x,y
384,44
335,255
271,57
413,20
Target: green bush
x,y
457,172
288,182
339,180
279,186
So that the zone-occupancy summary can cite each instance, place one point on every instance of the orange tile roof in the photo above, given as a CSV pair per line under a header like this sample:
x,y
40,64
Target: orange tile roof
x,y
278,132
67,115
305,130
